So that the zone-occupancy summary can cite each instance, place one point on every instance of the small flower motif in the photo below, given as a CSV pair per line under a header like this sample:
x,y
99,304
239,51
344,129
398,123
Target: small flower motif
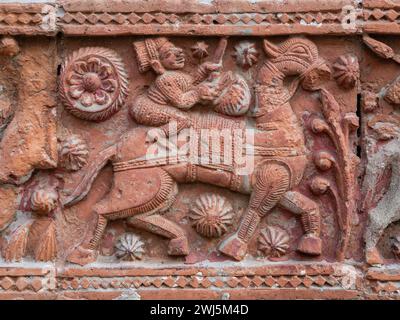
x,y
346,71
43,201
246,54
73,153
129,247
200,50
91,82
211,215
273,241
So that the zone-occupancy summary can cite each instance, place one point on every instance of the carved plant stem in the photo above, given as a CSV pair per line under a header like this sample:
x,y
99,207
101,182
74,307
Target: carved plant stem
x,y
344,164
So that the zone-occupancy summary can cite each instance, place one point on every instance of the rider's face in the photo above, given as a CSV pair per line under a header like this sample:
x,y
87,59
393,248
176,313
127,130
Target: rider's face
x,y
172,57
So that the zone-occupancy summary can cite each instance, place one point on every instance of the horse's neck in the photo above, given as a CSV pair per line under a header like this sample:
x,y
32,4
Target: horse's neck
x,y
272,96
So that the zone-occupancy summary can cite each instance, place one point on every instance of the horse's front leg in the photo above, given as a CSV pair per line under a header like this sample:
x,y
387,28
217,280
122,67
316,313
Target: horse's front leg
x,y
298,204
272,180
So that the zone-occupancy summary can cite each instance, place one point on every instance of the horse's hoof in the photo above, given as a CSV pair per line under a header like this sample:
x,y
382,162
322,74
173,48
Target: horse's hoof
x,y
373,257
310,244
82,256
178,247
233,247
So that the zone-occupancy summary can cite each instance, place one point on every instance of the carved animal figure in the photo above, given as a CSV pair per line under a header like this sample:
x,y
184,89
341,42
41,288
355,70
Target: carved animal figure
x,y
144,188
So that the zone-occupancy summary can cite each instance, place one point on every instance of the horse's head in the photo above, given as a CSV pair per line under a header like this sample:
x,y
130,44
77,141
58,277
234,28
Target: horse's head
x,y
298,57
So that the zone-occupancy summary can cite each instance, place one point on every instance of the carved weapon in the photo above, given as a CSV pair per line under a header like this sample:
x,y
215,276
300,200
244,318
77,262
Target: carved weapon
x,y
219,53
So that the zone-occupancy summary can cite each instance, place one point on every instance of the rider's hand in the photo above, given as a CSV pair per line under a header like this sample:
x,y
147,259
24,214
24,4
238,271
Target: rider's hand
x,y
208,91
210,67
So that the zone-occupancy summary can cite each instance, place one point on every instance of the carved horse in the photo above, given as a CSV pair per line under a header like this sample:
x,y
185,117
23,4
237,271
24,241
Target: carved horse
x,y
143,189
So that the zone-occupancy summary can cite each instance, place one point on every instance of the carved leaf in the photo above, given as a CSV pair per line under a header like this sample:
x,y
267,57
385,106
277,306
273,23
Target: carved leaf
x,y
8,202
16,247
46,249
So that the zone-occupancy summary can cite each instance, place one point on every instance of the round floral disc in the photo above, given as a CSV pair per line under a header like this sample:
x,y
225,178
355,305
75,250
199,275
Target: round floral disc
x,y
93,83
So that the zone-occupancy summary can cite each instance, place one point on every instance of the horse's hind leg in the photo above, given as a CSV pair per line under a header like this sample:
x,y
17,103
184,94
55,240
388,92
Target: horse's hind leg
x,y
87,251
271,183
178,244
295,202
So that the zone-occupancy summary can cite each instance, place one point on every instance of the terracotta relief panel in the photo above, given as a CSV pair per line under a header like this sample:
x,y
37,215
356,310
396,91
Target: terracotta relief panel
x,y
217,151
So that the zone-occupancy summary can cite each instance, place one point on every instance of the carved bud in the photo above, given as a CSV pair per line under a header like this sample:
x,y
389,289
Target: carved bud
x,y
351,120
319,185
43,201
246,54
323,160
346,71
318,126
73,153
273,241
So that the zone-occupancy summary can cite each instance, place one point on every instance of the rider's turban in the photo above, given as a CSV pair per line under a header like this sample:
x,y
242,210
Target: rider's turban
x,y
148,50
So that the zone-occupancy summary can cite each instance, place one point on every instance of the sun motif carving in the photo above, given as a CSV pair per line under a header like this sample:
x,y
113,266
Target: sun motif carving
x,y
211,215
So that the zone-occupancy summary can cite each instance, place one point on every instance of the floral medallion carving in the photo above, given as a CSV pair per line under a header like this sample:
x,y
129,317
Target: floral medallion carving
x,y
93,83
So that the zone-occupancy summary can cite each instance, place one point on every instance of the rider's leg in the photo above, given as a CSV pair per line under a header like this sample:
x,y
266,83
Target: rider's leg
x,y
272,180
157,224
295,202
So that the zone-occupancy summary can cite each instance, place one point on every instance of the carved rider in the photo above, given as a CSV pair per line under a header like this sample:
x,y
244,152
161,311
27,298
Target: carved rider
x,y
173,91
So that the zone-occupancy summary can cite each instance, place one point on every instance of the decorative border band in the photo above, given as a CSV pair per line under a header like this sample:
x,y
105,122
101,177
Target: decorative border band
x,y
127,18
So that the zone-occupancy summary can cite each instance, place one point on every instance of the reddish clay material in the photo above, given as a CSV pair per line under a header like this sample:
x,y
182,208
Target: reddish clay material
x,y
178,149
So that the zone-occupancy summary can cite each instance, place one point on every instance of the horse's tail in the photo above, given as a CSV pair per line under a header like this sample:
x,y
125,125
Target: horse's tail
x,y
82,189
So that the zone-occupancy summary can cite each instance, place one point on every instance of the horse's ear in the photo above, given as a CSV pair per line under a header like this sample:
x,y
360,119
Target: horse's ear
x,y
270,49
